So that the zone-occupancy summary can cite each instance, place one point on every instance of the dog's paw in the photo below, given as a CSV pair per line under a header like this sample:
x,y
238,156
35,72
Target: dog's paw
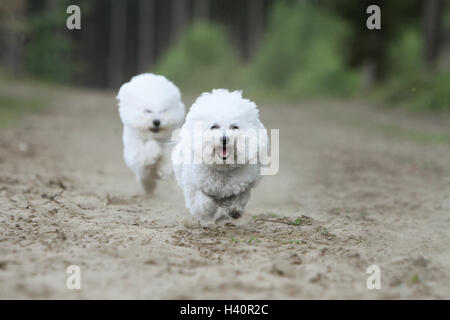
x,y
163,175
165,172
235,214
148,185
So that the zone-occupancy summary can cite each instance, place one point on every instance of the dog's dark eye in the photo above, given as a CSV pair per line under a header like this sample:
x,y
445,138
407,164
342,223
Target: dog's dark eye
x,y
148,110
234,127
215,126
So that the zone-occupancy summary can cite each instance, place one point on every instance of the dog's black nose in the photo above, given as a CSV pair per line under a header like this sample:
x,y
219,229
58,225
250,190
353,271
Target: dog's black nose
x,y
225,140
156,123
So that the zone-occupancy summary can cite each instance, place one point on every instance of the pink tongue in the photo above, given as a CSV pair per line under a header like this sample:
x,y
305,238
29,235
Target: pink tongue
x,y
224,152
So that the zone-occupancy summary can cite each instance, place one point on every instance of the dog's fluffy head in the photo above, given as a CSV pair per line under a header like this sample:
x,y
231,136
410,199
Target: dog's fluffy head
x,y
150,103
225,119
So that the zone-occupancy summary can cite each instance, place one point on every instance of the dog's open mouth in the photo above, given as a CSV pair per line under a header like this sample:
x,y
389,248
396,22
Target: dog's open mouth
x,y
223,153
154,130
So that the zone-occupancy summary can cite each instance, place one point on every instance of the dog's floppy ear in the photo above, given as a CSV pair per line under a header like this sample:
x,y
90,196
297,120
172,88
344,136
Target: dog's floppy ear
x,y
263,141
256,145
123,92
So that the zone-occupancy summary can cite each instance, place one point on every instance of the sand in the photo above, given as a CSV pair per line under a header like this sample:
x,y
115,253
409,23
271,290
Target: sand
x,y
357,186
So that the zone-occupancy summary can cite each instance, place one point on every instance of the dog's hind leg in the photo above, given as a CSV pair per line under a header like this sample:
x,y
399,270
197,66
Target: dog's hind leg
x,y
148,185
147,179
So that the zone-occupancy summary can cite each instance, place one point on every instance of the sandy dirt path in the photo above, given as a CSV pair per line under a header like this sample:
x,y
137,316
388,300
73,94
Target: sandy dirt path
x,y
371,187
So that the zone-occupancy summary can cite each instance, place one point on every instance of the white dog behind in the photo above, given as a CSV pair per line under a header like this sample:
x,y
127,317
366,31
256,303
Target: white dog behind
x,y
219,189
150,108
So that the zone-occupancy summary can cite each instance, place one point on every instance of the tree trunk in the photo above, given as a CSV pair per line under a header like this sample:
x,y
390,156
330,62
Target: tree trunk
x,y
432,26
146,34
201,10
13,34
255,26
117,42
179,18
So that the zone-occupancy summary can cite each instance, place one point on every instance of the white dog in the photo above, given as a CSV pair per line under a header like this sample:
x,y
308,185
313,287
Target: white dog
x,y
218,187
150,108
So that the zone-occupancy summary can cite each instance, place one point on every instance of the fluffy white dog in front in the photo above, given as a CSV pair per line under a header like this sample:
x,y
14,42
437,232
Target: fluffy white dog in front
x,y
150,108
216,160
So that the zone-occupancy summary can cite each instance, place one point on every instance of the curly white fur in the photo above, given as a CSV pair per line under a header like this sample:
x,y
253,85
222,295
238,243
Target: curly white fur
x,y
150,108
219,189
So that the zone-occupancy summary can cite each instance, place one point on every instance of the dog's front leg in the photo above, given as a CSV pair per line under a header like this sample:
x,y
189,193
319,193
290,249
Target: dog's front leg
x,y
235,208
151,152
165,168
147,156
146,177
203,207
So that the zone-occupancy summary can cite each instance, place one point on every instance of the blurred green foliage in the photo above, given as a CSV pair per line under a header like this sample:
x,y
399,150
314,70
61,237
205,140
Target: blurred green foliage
x,y
48,54
202,59
409,83
306,52
301,55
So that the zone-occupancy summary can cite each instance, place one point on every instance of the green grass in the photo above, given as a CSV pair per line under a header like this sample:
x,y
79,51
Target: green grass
x,y
13,108
252,240
415,278
326,233
234,240
294,242
418,136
